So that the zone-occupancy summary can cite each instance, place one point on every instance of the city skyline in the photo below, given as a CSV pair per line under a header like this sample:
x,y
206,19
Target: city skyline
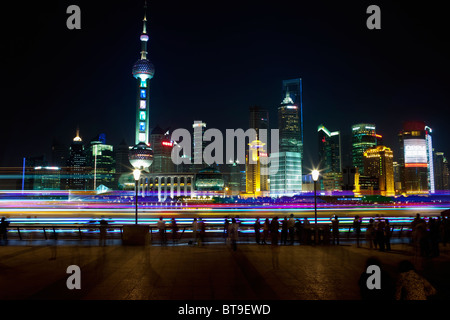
x,y
95,104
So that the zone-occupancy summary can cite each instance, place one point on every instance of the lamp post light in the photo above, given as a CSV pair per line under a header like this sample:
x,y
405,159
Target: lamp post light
x,y
315,176
137,175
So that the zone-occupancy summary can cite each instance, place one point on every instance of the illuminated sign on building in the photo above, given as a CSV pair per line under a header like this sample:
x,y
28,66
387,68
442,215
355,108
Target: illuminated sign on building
x,y
142,126
142,105
167,144
142,115
143,94
415,152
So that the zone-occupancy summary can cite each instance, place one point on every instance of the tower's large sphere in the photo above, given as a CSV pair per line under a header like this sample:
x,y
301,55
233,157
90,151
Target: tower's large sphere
x,y
141,156
143,69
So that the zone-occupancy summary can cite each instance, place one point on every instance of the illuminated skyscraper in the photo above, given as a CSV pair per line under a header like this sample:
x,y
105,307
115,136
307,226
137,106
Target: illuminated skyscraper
x,y
77,165
329,150
100,157
286,165
259,120
198,146
379,163
441,172
415,158
363,138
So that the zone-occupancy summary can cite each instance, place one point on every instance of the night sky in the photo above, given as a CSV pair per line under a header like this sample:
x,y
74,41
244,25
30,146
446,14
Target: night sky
x,y
215,59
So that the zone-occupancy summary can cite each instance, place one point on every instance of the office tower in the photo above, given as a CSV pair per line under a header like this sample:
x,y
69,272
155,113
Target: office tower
x,y
397,179
162,151
141,155
363,138
329,150
286,165
259,119
430,162
379,163
77,165
441,172
100,157
253,169
414,158
294,88
198,146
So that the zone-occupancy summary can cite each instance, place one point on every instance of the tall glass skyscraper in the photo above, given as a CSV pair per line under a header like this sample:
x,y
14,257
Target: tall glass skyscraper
x,y
363,138
286,165
329,150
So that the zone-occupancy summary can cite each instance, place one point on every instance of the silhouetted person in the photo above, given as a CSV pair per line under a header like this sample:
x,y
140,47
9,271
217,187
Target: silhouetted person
x,y
357,229
370,234
4,224
161,225
266,230
225,229
284,231
335,225
410,285
386,291
103,226
291,228
174,231
194,231
233,233
379,234
257,227
274,231
387,235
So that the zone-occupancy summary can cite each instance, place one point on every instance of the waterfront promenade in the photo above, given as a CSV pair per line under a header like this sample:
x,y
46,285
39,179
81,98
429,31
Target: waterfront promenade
x,y
37,270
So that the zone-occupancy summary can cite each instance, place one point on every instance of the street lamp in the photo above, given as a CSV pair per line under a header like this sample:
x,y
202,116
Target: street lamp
x,y
137,175
315,176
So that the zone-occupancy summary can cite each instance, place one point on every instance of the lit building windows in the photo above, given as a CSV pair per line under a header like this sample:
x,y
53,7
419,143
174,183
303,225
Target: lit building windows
x,y
142,115
142,104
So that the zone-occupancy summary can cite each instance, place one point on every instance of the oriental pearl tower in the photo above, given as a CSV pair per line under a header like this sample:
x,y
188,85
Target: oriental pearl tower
x,y
141,155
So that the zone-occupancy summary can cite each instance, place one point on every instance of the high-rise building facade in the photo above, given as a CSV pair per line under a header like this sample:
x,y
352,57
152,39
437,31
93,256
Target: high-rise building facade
x,y
330,158
100,158
415,158
77,165
441,172
286,165
257,174
379,163
198,146
363,138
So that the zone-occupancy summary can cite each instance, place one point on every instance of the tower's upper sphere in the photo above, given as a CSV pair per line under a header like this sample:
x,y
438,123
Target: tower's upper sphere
x,y
143,69
141,156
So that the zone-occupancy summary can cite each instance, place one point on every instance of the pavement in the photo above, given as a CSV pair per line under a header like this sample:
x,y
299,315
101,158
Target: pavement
x,y
38,271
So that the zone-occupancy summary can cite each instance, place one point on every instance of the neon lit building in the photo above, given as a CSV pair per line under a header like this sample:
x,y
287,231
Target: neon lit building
x,y
441,172
77,165
363,138
329,150
258,171
286,165
254,178
416,158
379,163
